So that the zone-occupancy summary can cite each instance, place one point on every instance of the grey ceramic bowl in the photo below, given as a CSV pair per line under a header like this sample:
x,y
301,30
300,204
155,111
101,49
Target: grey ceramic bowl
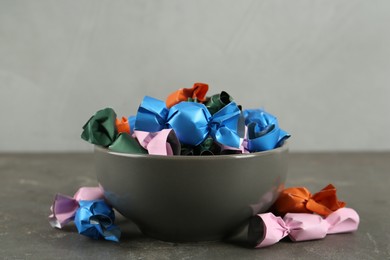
x,y
191,198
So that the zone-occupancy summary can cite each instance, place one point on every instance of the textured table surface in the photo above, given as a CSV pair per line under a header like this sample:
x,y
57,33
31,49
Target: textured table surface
x,y
30,181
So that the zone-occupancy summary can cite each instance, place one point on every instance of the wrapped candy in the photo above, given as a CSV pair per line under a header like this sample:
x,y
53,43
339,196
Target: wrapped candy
x,y
267,229
163,142
195,94
193,119
300,200
124,143
64,207
151,115
100,129
92,216
217,102
263,130
193,123
95,219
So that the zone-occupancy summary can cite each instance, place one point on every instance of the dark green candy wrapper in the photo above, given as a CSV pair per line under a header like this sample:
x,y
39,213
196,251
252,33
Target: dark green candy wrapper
x,y
124,143
218,101
100,128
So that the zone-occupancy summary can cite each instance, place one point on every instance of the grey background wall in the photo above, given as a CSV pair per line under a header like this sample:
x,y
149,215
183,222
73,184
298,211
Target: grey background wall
x,y
322,67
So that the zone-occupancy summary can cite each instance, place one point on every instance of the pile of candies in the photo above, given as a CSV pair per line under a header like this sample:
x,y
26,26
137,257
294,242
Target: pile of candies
x,y
92,216
187,123
296,214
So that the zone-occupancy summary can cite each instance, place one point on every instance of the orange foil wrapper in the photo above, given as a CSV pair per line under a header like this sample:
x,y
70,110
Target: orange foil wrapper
x,y
122,125
300,200
196,93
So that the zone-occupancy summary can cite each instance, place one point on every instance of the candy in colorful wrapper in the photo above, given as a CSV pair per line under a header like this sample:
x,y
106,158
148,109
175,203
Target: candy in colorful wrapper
x,y
263,130
151,115
217,102
195,94
267,229
218,118
300,200
122,125
95,219
64,207
125,143
190,122
163,142
193,123
100,129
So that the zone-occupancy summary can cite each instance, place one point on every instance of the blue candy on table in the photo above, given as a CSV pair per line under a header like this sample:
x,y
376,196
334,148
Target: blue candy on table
x,y
95,219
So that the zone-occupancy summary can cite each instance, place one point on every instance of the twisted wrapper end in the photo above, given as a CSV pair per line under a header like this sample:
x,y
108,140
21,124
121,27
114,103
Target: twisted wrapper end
x,y
267,229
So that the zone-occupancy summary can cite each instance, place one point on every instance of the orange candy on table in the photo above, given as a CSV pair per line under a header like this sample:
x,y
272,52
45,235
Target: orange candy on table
x,y
300,200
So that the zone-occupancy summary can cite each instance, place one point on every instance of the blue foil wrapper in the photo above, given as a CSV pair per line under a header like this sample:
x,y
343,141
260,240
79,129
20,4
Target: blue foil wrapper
x,y
192,123
264,132
225,125
151,115
95,219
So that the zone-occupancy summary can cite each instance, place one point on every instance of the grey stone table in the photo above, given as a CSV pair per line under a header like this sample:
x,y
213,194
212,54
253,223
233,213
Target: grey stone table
x,y
29,182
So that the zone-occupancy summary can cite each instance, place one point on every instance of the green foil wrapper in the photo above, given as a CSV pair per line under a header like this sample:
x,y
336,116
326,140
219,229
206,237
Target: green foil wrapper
x,y
218,101
100,129
186,150
208,147
124,143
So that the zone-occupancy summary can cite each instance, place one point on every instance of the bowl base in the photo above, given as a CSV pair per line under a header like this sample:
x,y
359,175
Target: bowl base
x,y
181,239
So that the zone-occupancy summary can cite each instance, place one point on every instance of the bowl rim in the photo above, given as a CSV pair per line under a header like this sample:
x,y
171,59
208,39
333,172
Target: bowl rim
x,y
283,147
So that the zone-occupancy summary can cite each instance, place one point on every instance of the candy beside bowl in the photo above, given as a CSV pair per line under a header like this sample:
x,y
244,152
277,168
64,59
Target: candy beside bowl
x,y
191,198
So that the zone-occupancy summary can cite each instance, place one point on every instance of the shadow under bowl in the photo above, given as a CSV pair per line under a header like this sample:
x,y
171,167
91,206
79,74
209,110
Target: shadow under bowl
x,y
191,198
